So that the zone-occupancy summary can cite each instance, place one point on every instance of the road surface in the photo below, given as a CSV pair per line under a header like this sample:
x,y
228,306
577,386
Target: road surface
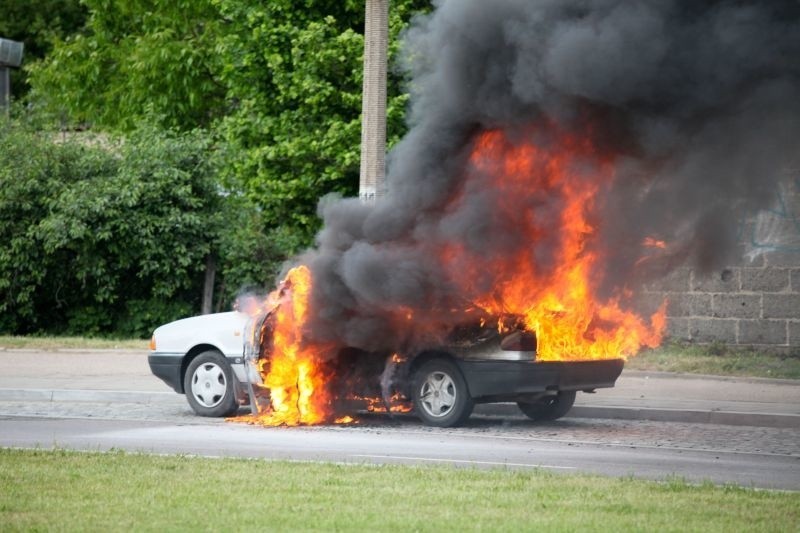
x,y
747,456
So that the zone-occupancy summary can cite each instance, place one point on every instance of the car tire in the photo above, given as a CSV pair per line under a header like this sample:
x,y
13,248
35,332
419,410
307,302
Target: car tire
x,y
208,385
550,407
440,394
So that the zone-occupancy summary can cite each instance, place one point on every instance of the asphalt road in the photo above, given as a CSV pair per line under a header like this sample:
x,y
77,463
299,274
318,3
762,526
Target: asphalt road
x,y
52,399
758,457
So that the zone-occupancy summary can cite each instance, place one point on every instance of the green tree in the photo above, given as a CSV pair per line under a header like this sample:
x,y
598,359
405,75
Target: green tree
x,y
136,59
37,24
104,237
295,75
279,82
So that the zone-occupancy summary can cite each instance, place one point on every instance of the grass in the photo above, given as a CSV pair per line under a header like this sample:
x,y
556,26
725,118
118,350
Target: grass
x,y
716,359
60,490
55,343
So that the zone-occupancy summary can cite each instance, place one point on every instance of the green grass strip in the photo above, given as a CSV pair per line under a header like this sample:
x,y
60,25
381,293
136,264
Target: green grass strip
x,y
70,491
716,360
15,342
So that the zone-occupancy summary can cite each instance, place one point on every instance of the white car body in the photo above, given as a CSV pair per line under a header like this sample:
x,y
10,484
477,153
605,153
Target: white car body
x,y
171,343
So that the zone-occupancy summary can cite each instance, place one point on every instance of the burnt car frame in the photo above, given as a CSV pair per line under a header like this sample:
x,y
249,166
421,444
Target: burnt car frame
x,y
445,382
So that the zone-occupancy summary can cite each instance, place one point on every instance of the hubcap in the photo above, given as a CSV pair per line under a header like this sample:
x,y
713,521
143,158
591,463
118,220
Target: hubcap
x,y
209,385
438,394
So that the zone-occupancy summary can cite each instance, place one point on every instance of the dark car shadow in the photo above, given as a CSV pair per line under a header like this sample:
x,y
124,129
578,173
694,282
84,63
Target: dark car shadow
x,y
367,419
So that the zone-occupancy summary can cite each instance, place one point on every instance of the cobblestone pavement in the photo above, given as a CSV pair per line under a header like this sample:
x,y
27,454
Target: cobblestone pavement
x,y
629,433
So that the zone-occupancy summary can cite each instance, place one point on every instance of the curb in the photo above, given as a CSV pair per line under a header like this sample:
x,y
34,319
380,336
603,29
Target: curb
x,y
658,375
78,395
727,418
689,416
12,349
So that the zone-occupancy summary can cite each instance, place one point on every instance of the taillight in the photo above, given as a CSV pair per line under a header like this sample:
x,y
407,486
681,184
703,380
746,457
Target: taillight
x,y
153,343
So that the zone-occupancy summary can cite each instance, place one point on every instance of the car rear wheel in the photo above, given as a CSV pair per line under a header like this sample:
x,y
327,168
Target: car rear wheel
x,y
550,407
208,385
440,394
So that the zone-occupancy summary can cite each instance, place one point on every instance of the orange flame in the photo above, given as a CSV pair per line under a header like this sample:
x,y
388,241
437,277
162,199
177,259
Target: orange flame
x,y
396,404
293,372
558,303
652,242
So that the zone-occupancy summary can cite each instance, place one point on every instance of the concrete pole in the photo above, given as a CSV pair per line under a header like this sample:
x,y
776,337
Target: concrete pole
x,y
5,89
372,184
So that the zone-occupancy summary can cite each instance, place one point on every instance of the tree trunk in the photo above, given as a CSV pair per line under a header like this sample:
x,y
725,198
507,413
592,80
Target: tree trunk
x,y
208,286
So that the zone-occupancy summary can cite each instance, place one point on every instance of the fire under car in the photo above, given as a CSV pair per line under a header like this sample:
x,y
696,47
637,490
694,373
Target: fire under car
x,y
207,359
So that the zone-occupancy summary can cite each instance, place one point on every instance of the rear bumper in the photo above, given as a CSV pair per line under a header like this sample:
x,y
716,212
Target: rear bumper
x,y
167,367
500,380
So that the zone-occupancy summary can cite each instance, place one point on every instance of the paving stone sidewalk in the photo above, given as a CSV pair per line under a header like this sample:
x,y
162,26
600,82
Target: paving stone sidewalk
x,y
124,376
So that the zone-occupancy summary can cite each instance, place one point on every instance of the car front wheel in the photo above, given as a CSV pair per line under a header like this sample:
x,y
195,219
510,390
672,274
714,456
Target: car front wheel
x,y
440,394
550,407
208,385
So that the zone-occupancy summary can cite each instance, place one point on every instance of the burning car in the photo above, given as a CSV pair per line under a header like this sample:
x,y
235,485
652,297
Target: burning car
x,y
213,360
428,320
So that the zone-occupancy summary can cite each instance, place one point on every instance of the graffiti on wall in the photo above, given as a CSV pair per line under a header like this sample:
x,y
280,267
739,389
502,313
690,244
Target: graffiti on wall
x,y
776,229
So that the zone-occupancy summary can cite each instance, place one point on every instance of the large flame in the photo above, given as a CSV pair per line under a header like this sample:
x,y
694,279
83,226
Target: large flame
x,y
293,371
557,301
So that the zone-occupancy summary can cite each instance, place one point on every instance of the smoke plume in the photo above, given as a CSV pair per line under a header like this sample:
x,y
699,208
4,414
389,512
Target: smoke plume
x,y
696,103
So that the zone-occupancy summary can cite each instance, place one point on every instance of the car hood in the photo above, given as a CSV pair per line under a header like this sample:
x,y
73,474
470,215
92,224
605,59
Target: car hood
x,y
223,331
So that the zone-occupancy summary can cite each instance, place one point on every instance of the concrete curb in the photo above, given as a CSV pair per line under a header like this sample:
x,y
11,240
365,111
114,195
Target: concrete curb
x,y
78,395
109,351
689,416
729,418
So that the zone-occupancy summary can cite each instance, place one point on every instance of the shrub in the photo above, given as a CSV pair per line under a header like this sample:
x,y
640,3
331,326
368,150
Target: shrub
x,y
103,239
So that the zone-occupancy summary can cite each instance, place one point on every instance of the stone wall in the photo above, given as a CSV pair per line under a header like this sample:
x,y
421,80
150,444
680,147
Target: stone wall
x,y
753,303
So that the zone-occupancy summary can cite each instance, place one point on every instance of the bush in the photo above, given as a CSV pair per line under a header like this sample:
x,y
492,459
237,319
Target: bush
x,y
252,252
103,239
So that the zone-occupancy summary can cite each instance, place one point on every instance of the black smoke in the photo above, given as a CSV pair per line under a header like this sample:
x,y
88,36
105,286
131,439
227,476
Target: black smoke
x,y
698,101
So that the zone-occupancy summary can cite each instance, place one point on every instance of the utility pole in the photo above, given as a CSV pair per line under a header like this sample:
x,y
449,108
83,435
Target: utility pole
x,y
372,183
10,56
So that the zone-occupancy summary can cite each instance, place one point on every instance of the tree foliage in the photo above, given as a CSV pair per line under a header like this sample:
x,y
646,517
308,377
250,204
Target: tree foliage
x,y
37,24
136,59
278,86
101,239
295,75
283,79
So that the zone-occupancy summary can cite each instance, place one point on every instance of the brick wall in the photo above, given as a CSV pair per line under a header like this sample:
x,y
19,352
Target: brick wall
x,y
753,303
